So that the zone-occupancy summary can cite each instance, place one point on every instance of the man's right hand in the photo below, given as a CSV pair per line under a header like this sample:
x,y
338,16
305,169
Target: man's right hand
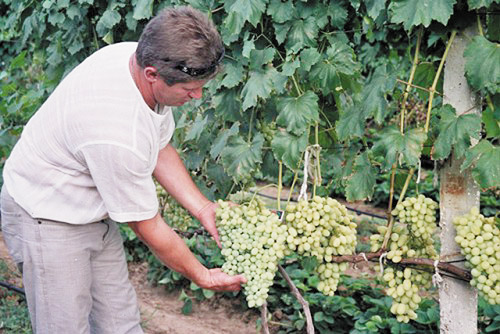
x,y
217,280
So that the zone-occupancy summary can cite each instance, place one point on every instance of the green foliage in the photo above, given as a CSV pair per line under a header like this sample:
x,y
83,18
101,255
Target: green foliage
x,y
455,131
482,68
13,307
295,64
421,12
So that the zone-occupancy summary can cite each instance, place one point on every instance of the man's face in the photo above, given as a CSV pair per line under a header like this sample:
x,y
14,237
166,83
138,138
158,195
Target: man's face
x,y
178,94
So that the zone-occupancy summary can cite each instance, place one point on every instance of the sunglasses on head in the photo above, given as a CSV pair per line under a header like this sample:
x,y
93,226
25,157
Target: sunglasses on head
x,y
196,72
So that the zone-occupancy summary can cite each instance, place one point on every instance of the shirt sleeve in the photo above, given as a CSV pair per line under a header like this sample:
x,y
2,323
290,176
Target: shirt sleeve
x,y
123,179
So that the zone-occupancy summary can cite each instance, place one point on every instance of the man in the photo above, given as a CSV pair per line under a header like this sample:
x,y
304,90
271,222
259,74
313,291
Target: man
x,y
86,160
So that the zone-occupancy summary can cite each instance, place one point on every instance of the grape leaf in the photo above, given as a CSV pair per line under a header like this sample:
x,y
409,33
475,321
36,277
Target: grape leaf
x,y
455,131
241,11
197,127
261,57
289,67
288,148
482,66
143,9
416,12
486,160
280,31
424,77
228,104
260,84
233,74
281,11
491,123
302,34
373,101
297,113
374,7
240,158
394,146
309,57
221,140
107,21
476,4
339,59
337,14
351,123
361,183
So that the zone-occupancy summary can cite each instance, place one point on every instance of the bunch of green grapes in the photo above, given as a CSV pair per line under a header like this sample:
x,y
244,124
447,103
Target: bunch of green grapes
x,y
479,240
175,215
412,236
253,241
322,228
268,129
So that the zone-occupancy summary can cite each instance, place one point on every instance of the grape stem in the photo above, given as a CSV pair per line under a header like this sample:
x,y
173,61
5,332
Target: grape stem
x,y
302,301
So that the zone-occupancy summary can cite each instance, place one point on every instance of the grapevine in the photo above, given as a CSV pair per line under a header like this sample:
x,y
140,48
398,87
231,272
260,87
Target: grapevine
x,y
479,240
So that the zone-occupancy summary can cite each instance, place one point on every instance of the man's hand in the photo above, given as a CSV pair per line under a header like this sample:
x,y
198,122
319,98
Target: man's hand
x,y
206,216
217,280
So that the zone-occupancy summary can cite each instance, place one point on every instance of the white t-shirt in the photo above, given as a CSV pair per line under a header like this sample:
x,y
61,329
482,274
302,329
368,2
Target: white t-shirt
x,y
90,150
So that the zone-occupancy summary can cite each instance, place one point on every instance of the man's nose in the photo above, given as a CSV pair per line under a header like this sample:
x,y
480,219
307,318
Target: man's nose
x,y
196,94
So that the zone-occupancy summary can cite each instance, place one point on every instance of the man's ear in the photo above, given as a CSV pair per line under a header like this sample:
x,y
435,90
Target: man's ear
x,y
151,73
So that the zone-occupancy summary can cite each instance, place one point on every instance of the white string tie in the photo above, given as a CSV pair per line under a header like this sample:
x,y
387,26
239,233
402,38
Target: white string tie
x,y
381,264
303,189
436,278
419,171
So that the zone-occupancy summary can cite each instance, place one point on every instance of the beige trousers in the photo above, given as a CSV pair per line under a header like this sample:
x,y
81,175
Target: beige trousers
x,y
75,276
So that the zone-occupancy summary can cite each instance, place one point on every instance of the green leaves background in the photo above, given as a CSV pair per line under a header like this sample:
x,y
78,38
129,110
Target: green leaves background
x,y
292,64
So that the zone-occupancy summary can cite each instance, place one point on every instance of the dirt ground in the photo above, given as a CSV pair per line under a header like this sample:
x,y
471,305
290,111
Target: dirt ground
x,y
161,311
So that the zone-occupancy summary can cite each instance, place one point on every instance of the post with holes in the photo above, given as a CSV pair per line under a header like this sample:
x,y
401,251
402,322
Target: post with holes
x,y
458,193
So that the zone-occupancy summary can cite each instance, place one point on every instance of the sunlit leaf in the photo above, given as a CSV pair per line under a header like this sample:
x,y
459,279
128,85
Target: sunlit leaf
x,y
227,103
241,158
260,84
351,123
374,7
361,183
297,113
143,9
302,34
421,12
197,127
485,159
476,4
281,11
395,146
221,140
455,132
288,148
482,65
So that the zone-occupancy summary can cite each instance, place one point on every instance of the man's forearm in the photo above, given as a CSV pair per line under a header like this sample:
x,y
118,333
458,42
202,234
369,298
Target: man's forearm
x,y
173,176
170,249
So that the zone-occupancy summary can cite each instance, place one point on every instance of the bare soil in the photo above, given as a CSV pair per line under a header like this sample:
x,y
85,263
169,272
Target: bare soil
x,y
161,310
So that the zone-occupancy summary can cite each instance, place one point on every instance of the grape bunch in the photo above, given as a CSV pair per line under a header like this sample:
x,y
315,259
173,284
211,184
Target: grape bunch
x,y
268,129
175,215
412,236
253,241
479,240
322,228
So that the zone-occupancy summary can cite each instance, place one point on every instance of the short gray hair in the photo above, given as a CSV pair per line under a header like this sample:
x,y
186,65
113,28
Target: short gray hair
x,y
182,44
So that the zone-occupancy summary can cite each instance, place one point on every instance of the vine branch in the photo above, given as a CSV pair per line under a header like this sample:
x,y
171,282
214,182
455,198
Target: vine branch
x,y
302,301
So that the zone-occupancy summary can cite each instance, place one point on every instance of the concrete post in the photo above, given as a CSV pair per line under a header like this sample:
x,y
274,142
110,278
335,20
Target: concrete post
x,y
458,193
